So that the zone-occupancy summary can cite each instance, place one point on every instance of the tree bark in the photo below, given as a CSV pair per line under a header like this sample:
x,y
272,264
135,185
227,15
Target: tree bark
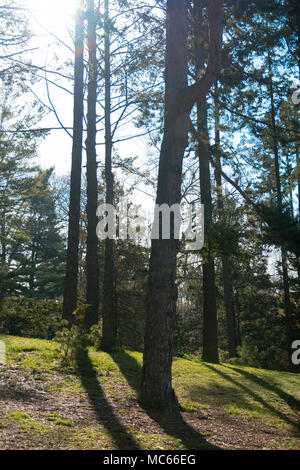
x,y
226,263
156,386
3,239
298,195
109,314
210,323
298,178
71,279
286,288
92,276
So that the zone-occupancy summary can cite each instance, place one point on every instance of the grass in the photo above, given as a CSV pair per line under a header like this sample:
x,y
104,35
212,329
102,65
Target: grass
x,y
95,406
54,417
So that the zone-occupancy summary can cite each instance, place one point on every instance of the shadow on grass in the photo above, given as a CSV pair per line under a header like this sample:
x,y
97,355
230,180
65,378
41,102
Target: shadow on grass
x,y
255,397
26,396
104,411
172,424
289,399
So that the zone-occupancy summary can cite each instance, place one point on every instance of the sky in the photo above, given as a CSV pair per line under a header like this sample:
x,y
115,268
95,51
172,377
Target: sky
x,y
55,18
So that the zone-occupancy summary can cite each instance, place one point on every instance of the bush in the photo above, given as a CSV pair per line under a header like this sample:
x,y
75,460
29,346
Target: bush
x,y
71,343
74,341
250,355
21,316
95,336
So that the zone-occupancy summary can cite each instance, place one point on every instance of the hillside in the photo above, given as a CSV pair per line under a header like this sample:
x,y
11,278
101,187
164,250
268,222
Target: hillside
x,y
43,406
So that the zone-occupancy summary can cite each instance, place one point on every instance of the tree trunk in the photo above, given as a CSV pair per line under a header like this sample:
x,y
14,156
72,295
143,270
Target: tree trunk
x,y
298,194
285,277
238,322
298,178
226,263
288,174
210,324
109,313
70,291
3,239
32,269
156,386
92,277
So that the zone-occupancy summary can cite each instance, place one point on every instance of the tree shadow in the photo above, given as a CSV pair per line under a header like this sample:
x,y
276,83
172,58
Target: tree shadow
x,y
19,395
255,397
172,423
289,399
102,408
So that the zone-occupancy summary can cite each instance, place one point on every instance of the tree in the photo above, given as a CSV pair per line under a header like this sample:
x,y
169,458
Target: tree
x,y
14,37
109,313
41,254
71,279
287,298
18,177
254,85
210,323
225,259
156,386
127,65
92,269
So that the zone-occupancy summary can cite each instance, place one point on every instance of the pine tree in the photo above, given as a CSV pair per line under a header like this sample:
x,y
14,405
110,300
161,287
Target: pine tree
x,y
92,269
156,386
109,312
71,280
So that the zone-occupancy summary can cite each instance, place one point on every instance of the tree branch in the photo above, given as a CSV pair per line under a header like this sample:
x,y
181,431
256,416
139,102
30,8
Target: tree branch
x,y
194,92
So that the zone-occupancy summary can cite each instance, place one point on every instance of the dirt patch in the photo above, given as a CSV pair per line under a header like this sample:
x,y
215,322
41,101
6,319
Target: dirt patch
x,y
61,414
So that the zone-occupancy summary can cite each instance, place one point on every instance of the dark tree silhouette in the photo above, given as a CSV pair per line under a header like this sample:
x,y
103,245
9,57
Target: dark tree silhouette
x,y
92,276
70,292
109,304
156,386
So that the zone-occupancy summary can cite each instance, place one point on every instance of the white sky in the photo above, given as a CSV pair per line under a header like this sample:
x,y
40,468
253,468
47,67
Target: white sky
x,y
56,17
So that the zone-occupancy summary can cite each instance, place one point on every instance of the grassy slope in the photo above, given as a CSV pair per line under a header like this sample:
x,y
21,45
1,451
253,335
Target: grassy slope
x,y
43,406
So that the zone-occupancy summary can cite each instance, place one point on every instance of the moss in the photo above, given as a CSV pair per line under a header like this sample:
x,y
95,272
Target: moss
x,y
19,415
25,421
58,420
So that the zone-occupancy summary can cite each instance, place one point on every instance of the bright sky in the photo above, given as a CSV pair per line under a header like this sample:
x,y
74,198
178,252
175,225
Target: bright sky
x,y
52,13
56,17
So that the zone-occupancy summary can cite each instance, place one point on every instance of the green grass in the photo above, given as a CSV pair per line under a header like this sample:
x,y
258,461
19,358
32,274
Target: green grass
x,y
270,396
59,421
107,415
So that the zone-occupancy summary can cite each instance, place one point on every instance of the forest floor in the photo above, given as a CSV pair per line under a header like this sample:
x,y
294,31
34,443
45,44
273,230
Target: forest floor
x,y
44,406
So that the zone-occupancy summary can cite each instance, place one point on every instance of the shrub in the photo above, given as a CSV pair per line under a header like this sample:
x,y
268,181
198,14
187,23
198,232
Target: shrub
x,y
21,316
271,358
95,336
73,341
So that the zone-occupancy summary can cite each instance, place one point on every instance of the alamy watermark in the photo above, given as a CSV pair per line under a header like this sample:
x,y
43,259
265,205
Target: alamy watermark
x,y
129,221
296,354
2,353
296,93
